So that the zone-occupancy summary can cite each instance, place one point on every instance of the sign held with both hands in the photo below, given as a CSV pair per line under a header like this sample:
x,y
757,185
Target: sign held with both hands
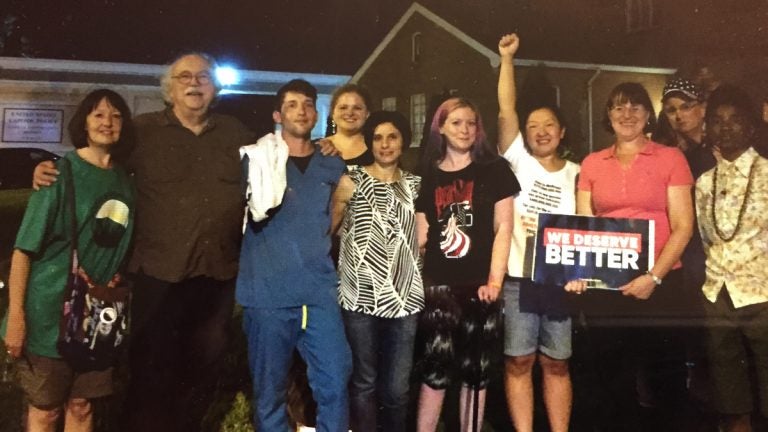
x,y
606,252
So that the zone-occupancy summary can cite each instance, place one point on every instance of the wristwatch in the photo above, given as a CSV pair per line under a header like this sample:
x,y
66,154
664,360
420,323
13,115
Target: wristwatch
x,y
657,280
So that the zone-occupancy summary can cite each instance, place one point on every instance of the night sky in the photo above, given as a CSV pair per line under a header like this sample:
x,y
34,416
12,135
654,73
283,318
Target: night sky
x,y
336,36
324,36
330,36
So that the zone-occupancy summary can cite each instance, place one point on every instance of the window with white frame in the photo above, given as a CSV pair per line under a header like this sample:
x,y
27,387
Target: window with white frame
x,y
418,117
415,47
640,15
389,104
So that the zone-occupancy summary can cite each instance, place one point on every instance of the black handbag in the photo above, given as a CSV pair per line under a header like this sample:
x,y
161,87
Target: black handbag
x,y
94,320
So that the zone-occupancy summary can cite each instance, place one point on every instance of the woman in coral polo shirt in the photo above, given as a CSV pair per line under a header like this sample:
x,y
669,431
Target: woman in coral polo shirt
x,y
640,179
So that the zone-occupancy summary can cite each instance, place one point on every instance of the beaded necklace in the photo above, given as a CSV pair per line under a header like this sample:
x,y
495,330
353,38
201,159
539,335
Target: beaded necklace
x,y
741,210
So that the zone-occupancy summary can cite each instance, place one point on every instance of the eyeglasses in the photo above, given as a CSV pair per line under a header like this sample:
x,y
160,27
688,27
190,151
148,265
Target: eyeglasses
x,y
186,78
684,108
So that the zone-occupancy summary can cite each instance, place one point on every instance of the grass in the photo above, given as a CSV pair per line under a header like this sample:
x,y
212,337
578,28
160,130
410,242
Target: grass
x,y
13,202
11,403
14,199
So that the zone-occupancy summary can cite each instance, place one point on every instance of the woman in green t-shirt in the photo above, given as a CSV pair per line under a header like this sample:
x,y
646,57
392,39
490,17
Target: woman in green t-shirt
x,y
101,132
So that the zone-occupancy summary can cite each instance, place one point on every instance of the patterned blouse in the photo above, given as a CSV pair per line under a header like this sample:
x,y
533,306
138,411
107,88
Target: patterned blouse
x,y
740,264
379,264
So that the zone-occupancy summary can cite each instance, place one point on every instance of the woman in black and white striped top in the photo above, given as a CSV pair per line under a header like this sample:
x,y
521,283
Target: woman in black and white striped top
x,y
381,290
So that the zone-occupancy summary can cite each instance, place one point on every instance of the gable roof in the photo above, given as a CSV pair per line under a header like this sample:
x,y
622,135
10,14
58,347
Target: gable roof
x,y
440,22
493,57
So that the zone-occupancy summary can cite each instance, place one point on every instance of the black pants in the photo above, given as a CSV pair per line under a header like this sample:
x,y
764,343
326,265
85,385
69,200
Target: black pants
x,y
635,360
179,332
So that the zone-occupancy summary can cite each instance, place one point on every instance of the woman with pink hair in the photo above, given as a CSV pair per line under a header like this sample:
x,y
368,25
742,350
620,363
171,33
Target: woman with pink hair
x,y
464,224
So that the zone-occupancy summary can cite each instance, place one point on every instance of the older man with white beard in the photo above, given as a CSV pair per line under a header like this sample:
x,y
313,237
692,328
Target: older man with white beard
x,y
187,171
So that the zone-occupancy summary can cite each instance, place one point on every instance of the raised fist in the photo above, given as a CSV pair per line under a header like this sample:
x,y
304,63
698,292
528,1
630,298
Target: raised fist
x,y
509,44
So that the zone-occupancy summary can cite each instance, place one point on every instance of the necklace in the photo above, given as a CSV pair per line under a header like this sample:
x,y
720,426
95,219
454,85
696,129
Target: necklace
x,y
741,210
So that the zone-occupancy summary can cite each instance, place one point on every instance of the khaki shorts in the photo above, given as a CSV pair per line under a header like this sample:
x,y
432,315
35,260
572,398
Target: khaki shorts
x,y
49,382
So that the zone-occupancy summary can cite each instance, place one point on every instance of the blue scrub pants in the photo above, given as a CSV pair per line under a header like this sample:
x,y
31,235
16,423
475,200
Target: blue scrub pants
x,y
317,332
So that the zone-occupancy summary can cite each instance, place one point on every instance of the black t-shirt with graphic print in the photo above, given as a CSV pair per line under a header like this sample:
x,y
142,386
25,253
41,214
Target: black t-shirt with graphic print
x,y
459,207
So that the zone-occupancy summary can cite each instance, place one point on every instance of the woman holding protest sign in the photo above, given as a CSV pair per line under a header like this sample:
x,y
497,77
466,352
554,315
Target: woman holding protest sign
x,y
637,178
536,322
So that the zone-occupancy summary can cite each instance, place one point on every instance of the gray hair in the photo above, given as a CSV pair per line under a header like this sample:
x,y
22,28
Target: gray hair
x,y
166,78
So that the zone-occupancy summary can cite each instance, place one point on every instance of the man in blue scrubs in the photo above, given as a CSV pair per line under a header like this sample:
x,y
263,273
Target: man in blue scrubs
x,y
287,282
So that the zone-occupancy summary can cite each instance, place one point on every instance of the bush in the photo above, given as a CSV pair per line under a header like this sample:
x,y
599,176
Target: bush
x,y
238,419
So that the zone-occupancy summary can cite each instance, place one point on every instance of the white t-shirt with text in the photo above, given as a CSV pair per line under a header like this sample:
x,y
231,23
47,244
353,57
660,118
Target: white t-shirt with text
x,y
541,192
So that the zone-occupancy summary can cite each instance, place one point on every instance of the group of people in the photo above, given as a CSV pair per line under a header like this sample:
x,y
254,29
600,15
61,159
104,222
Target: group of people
x,y
213,219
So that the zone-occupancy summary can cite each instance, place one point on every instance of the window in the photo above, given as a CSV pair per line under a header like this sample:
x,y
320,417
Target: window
x,y
639,15
418,114
416,47
389,104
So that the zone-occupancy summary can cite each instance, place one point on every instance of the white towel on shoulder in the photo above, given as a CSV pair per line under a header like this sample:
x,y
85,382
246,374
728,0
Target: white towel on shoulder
x,y
266,175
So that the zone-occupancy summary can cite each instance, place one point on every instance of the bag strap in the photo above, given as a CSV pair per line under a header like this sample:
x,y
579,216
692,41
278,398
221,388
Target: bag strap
x,y
69,196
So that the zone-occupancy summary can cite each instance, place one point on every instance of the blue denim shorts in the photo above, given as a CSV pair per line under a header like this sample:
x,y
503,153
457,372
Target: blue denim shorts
x,y
526,333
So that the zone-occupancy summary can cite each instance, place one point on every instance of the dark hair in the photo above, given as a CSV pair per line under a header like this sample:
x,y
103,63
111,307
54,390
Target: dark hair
x,y
297,86
731,95
555,110
634,93
664,134
77,125
351,88
379,117
481,152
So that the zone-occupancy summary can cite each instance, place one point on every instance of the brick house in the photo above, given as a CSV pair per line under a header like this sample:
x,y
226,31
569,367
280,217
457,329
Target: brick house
x,y
424,56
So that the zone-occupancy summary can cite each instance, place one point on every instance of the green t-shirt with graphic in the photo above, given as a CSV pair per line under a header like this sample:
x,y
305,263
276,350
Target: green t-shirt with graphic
x,y
104,207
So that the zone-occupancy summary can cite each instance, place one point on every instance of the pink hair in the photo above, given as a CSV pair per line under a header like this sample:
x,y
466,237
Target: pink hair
x,y
436,145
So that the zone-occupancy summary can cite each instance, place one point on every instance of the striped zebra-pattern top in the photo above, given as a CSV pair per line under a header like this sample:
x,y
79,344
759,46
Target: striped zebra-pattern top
x,y
379,263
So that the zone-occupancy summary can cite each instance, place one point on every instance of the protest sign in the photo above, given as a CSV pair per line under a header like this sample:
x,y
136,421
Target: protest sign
x,y
606,252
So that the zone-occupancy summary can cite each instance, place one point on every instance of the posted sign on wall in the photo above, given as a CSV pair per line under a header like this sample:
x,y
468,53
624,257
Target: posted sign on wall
x,y
607,252
24,125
